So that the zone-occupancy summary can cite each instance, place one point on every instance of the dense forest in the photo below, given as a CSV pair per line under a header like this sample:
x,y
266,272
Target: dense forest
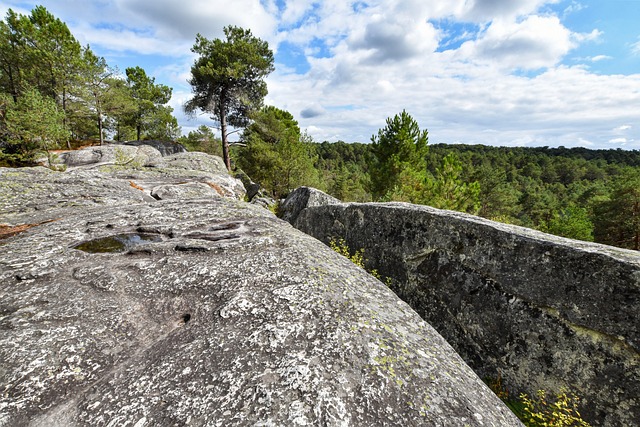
x,y
591,195
55,93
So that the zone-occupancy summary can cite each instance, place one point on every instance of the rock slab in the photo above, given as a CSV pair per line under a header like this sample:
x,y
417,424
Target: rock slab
x,y
539,311
204,312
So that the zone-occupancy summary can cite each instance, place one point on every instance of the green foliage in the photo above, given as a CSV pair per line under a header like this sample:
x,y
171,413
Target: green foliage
x,y
398,146
277,155
340,246
562,411
150,115
357,257
227,79
618,216
344,170
449,191
572,222
203,140
29,126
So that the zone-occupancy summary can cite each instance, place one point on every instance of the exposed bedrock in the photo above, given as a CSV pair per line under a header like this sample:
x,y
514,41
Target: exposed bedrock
x,y
203,310
540,311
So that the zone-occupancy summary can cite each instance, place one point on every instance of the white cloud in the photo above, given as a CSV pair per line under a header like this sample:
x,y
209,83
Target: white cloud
x,y
594,35
535,42
395,38
184,19
487,10
599,58
622,128
618,141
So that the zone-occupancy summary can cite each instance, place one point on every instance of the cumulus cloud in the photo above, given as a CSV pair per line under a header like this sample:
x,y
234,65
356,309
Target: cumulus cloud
x,y
535,42
396,39
184,19
487,10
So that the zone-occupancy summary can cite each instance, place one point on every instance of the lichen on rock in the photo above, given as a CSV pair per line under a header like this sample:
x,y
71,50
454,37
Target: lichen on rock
x,y
228,316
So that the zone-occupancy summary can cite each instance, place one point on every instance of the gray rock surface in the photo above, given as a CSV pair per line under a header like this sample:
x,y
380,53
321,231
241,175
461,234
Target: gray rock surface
x,y
537,310
119,175
166,148
109,155
302,198
203,312
253,188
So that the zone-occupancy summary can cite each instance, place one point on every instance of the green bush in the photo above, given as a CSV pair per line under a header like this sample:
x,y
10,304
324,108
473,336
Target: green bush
x,y
541,411
357,258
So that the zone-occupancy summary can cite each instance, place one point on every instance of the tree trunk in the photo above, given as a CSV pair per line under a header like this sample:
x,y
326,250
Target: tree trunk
x,y
64,109
138,131
223,131
99,112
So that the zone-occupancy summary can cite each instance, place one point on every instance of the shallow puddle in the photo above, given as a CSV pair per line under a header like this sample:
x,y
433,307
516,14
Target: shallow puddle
x,y
117,243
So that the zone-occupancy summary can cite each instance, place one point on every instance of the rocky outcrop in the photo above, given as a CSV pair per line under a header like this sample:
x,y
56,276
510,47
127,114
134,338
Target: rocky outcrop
x,y
166,148
302,198
111,175
120,309
540,311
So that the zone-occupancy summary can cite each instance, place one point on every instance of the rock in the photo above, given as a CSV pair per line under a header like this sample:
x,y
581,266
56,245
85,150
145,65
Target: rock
x,y
194,160
265,202
122,155
166,148
302,198
228,318
126,310
536,310
253,189
39,194
193,190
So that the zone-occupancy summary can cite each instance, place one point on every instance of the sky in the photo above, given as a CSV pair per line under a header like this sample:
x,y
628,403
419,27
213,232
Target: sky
x,y
494,72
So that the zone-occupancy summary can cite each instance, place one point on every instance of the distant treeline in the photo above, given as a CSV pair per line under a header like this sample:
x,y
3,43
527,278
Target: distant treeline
x,y
580,193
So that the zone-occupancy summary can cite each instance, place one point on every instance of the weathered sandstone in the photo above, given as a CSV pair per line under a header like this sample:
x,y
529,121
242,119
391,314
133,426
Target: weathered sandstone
x,y
203,311
537,310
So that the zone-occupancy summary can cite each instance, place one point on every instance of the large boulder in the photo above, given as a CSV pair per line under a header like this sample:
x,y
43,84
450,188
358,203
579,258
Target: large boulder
x,y
302,198
109,155
121,309
166,148
113,174
537,311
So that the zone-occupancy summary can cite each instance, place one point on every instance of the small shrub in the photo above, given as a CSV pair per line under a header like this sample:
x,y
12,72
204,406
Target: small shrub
x,y
341,247
562,411
357,258
559,412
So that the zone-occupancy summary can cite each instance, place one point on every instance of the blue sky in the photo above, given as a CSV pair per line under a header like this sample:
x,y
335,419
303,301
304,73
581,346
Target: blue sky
x,y
497,72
